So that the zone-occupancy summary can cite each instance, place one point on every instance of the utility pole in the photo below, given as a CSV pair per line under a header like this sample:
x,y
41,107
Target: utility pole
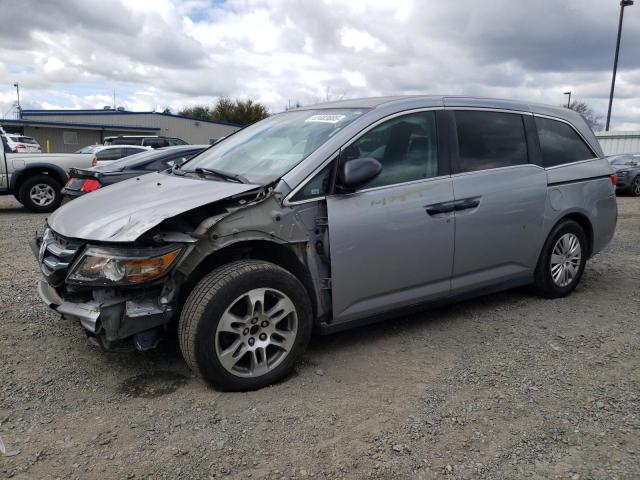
x,y
568,101
19,107
623,3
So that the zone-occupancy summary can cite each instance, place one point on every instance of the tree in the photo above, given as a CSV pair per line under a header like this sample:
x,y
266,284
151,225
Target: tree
x,y
242,112
167,110
594,120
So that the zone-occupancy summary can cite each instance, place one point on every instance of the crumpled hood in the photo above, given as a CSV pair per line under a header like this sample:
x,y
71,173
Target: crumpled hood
x,y
622,168
124,211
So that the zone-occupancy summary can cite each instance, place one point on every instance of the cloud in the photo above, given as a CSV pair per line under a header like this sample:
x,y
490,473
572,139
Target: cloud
x,y
158,53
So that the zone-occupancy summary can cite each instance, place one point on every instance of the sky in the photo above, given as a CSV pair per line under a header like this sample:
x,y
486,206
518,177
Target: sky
x,y
177,53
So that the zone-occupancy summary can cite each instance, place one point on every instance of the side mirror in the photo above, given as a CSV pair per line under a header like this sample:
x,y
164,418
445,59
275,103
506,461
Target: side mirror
x,y
357,172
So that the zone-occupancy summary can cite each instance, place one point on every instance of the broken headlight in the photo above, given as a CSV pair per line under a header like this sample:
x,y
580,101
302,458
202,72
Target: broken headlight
x,y
105,266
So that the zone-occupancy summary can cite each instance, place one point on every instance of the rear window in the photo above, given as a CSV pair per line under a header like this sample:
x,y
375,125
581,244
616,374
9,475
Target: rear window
x,y
28,140
560,143
489,140
111,154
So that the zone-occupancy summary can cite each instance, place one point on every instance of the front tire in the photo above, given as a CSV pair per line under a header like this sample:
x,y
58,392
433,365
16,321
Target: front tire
x,y
40,193
562,261
245,325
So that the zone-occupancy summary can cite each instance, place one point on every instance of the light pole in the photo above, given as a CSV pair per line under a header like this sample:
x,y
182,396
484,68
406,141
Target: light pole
x,y
623,3
18,92
568,101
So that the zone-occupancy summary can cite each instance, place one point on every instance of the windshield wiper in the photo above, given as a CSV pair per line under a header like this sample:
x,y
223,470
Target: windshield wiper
x,y
224,175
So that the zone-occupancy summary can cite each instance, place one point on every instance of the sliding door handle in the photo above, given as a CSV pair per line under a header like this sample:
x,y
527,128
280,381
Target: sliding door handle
x,y
466,204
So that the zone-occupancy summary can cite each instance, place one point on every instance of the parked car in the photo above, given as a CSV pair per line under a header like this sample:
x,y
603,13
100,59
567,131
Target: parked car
x,y
627,169
82,181
327,217
21,143
153,141
108,153
35,179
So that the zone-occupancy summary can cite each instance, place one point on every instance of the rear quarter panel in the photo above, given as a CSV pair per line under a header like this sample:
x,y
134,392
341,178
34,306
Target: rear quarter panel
x,y
582,188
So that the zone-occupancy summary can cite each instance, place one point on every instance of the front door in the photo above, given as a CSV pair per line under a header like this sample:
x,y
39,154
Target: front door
x,y
391,243
500,201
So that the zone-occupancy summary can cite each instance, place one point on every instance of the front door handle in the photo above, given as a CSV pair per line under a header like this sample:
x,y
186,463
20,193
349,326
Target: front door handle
x,y
440,208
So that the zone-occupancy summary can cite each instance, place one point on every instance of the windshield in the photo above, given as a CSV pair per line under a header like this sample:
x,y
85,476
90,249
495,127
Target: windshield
x,y
624,160
268,149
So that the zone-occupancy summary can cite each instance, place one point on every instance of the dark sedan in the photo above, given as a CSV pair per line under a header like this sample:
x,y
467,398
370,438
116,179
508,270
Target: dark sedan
x,y
627,172
83,181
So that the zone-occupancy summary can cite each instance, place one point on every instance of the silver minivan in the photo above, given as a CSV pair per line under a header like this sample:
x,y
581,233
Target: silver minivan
x,y
326,217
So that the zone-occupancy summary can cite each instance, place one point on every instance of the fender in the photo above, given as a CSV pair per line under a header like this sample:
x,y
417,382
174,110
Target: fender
x,y
19,173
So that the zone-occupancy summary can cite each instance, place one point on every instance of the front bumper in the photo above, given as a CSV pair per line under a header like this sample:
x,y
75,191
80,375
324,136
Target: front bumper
x,y
112,320
86,313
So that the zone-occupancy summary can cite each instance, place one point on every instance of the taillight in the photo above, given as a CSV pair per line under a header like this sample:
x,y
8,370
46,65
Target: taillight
x,y
90,185
614,179
94,161
20,146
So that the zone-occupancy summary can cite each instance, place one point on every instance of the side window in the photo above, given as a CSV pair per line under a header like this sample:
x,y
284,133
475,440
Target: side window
x,y
132,151
406,147
560,143
318,186
489,140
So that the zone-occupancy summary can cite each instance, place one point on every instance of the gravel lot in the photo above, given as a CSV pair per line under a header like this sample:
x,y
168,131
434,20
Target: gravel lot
x,y
503,386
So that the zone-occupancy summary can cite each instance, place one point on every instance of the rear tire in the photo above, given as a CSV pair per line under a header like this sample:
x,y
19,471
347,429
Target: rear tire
x,y
562,261
245,325
635,187
40,193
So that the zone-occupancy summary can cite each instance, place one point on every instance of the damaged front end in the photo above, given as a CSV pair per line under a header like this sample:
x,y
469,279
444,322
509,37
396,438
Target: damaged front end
x,y
126,293
114,292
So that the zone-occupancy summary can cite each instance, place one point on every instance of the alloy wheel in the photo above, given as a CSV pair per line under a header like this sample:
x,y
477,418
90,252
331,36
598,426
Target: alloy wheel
x,y
42,194
636,186
565,259
256,332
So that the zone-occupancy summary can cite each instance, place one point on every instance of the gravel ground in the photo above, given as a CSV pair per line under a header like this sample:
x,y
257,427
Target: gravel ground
x,y
504,386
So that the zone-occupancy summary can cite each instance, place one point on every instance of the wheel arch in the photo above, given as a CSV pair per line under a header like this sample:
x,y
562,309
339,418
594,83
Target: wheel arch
x,y
581,219
284,256
19,177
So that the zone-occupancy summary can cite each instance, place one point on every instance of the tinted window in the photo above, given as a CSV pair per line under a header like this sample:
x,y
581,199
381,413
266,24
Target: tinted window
x,y
133,150
489,140
155,142
124,141
110,154
318,186
405,146
560,143
167,162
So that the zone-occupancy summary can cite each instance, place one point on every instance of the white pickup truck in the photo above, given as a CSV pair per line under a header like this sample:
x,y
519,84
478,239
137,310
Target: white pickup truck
x,y
35,179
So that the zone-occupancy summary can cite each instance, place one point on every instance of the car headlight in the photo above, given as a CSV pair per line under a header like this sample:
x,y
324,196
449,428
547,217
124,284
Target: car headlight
x,y
624,173
105,266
